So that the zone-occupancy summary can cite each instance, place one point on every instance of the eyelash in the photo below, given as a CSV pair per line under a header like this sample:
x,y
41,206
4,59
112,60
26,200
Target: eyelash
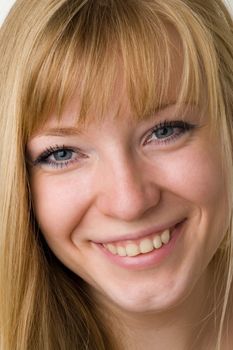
x,y
43,158
179,124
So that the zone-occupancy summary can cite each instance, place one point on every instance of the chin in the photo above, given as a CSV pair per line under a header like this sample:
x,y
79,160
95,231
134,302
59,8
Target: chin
x,y
148,297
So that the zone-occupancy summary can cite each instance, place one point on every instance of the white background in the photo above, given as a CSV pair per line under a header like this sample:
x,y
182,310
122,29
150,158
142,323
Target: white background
x,y
5,5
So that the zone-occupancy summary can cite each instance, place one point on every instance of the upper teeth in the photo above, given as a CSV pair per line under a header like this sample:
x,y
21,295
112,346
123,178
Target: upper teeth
x,y
143,246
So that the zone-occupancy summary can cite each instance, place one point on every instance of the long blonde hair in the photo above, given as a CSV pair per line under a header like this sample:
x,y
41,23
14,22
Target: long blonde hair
x,y
49,49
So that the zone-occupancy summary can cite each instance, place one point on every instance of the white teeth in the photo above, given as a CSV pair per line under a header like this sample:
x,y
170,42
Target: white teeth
x,y
132,250
157,242
111,248
121,251
146,246
165,236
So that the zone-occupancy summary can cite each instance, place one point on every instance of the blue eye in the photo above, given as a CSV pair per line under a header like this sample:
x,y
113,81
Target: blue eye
x,y
164,132
62,155
168,130
59,157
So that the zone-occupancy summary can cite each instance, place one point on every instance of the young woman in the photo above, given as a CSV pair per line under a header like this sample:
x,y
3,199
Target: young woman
x,y
116,175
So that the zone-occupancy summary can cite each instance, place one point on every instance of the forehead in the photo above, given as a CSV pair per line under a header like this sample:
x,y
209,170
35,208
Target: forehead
x,y
142,72
119,103
119,108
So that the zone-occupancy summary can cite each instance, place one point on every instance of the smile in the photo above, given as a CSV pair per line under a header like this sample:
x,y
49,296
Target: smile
x,y
142,246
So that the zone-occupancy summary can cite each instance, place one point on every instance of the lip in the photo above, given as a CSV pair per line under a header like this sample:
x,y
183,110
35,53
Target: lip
x,y
148,260
142,234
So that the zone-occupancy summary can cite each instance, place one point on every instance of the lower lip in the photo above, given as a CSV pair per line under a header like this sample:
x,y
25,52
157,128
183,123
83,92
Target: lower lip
x,y
151,259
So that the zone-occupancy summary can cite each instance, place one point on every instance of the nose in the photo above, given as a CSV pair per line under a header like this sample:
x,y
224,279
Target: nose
x,y
126,190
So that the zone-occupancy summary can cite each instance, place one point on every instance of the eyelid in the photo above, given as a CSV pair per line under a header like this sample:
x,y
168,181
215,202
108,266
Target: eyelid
x,y
42,159
186,126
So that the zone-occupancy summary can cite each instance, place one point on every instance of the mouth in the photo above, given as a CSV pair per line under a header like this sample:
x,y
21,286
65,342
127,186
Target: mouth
x,y
142,246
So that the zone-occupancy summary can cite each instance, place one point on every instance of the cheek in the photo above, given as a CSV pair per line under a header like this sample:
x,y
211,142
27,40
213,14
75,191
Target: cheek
x,y
196,176
60,202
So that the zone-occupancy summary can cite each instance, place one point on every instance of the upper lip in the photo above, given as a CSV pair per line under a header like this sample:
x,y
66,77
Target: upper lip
x,y
140,234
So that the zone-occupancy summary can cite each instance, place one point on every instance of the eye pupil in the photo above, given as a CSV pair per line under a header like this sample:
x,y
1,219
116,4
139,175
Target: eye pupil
x,y
164,132
62,155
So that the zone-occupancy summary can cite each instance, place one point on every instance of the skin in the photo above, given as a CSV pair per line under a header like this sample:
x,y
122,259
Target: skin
x,y
156,183
121,185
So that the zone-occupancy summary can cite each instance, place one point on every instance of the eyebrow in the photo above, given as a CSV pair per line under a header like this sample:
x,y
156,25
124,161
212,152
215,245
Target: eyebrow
x,y
75,131
67,131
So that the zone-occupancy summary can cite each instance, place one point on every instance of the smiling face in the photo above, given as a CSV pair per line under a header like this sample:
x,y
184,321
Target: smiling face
x,y
114,187
137,208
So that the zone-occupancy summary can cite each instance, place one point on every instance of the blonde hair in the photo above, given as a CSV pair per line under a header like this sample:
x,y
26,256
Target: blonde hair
x,y
49,49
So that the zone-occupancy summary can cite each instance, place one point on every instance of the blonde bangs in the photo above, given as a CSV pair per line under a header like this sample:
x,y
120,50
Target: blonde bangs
x,y
86,49
55,50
